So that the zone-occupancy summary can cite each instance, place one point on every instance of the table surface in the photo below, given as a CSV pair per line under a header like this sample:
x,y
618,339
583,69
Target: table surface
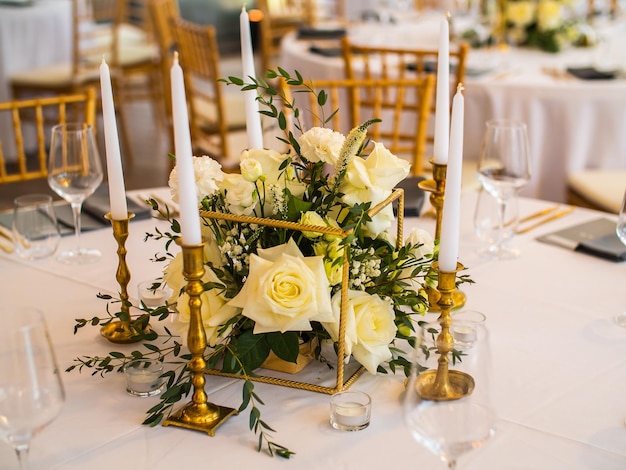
x,y
558,370
572,124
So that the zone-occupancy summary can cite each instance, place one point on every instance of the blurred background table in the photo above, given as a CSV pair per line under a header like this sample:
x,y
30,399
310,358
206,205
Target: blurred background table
x,y
32,35
573,124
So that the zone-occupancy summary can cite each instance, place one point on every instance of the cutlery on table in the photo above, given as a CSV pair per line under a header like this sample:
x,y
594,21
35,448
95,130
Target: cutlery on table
x,y
553,216
6,240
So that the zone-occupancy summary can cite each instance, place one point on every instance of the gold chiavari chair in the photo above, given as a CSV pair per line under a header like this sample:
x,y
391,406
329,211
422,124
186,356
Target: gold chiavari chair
x,y
30,117
403,104
211,117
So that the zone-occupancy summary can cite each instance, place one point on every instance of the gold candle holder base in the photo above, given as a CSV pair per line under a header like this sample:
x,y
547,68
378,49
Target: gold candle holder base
x,y
200,417
444,384
121,331
199,414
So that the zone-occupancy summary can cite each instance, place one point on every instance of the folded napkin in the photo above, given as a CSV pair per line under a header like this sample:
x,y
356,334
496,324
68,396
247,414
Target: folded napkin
x,y
321,33
326,51
591,73
414,197
98,204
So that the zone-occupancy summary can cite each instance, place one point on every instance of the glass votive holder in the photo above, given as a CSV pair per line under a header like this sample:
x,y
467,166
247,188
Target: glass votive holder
x,y
154,293
464,329
143,377
350,411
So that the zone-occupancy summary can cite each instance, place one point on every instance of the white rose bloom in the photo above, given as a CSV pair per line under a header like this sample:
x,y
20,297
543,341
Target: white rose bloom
x,y
549,15
421,236
385,168
380,223
251,169
286,293
208,174
520,13
173,276
241,195
312,218
214,311
320,144
370,327
270,161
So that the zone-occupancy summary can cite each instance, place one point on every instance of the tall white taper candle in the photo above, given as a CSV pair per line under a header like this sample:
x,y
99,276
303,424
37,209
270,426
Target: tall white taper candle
x,y
442,110
449,243
117,191
253,118
187,192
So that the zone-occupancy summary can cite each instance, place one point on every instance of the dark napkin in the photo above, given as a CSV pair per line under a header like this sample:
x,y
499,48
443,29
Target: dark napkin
x,y
321,33
98,204
590,73
414,197
326,51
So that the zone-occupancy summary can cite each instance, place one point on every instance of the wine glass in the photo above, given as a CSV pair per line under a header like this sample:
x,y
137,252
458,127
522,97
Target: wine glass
x,y
74,173
450,427
503,168
620,230
31,392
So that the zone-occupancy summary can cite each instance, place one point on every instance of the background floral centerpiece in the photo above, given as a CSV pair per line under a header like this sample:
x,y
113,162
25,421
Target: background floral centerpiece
x,y
549,25
270,288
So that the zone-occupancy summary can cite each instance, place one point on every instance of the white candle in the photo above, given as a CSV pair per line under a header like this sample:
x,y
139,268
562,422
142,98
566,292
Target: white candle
x,y
442,110
449,243
187,192
253,118
117,192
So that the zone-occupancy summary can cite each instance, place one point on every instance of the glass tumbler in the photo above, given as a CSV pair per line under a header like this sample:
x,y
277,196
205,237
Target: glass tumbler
x,y
35,228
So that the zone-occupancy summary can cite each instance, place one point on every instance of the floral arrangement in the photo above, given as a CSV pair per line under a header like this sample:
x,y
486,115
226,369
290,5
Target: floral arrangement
x,y
548,25
270,289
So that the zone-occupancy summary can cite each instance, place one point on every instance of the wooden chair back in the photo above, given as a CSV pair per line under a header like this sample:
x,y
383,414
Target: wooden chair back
x,y
199,57
279,18
402,104
383,62
31,117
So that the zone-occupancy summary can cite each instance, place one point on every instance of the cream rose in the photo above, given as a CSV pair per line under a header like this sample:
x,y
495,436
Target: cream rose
x,y
520,13
215,312
312,218
284,292
241,195
549,15
320,144
208,176
422,246
269,160
370,327
251,169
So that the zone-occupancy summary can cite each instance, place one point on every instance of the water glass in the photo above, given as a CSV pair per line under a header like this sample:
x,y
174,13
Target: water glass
x,y
464,329
35,228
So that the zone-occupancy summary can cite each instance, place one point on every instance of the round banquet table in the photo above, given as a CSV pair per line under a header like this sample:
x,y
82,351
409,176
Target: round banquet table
x,y
573,124
31,35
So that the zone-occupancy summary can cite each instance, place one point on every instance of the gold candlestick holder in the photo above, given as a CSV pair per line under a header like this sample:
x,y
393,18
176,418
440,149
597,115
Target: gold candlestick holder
x,y
444,384
121,331
436,187
199,414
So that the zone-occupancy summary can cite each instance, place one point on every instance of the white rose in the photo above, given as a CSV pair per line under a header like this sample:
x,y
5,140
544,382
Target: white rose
x,y
520,13
549,15
385,168
380,223
241,195
270,161
251,169
320,144
207,173
215,312
312,218
421,237
285,294
370,327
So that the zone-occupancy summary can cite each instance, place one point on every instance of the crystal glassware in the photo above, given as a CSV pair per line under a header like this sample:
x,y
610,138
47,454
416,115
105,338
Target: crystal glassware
x,y
35,228
31,392
503,168
449,428
74,173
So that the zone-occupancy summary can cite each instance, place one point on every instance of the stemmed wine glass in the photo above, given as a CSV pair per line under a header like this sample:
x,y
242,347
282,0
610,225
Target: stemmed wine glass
x,y
620,230
449,428
503,168
74,173
31,392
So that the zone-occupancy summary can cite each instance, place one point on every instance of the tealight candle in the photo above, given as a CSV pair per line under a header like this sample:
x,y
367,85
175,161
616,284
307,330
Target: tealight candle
x,y
143,377
151,297
350,411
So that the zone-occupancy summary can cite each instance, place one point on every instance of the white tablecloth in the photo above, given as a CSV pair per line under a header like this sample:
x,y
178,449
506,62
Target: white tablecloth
x,y
559,368
572,124
31,36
